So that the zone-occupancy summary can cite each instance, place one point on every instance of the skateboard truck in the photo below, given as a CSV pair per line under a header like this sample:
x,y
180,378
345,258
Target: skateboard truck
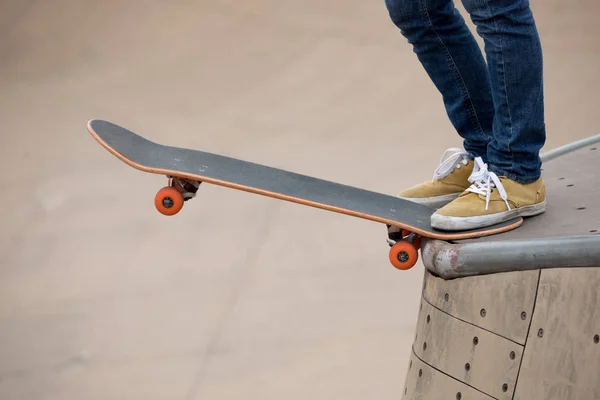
x,y
404,247
169,200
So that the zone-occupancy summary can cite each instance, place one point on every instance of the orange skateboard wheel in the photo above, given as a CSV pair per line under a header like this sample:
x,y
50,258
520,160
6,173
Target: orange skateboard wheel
x,y
168,201
403,255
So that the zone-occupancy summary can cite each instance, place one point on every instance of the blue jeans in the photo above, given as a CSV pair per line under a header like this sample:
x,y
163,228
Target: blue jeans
x,y
496,107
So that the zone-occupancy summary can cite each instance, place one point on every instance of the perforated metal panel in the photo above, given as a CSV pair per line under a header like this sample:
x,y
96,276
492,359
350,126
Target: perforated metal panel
x,y
560,359
474,356
562,354
502,304
426,383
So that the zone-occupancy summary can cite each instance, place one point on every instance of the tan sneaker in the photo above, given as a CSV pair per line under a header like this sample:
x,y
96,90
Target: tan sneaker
x,y
490,200
449,180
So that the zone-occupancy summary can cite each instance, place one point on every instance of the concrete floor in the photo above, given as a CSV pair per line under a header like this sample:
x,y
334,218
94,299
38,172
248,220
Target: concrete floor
x,y
239,296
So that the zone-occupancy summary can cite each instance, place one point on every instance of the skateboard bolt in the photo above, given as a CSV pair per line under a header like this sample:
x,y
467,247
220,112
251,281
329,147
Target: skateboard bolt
x,y
168,202
403,256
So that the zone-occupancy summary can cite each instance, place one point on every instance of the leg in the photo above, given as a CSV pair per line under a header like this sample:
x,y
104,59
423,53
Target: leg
x,y
452,58
514,57
513,185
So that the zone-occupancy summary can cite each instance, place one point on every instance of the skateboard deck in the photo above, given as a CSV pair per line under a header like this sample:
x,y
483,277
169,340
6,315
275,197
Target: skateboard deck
x,y
400,216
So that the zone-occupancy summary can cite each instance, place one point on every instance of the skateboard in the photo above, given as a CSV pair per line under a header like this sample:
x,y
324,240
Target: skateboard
x,y
186,169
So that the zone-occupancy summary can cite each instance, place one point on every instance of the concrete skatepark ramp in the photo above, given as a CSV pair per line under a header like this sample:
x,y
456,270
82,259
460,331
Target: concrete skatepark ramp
x,y
517,316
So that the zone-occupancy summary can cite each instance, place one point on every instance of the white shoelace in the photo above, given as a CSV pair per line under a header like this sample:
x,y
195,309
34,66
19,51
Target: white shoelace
x,y
457,158
483,181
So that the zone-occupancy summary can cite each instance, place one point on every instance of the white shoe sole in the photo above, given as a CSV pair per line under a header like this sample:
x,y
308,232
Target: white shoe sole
x,y
481,221
433,202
